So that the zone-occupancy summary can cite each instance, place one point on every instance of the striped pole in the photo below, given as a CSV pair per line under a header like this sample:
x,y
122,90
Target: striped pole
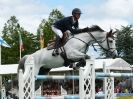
x,y
43,77
58,97
98,74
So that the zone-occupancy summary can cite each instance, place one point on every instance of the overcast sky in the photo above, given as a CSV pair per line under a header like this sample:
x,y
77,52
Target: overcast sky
x,y
105,13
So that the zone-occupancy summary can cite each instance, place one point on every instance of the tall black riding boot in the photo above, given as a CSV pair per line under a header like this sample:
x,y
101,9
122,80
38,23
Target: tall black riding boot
x,y
57,46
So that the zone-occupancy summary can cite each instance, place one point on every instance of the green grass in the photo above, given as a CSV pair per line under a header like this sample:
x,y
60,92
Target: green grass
x,y
125,97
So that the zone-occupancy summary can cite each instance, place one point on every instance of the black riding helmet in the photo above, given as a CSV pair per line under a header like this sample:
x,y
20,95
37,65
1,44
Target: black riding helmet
x,y
75,11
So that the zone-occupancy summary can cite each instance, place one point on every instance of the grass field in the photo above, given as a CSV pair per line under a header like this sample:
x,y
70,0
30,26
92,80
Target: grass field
x,y
125,97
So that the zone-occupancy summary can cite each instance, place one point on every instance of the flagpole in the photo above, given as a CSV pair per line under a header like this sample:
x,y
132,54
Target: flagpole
x,y
41,39
19,51
0,65
0,53
19,45
19,41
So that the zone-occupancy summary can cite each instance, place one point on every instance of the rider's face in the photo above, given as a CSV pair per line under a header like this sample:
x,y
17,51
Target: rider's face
x,y
77,15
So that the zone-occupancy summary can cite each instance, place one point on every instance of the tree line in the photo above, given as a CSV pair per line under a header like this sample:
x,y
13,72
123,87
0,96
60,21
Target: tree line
x,y
31,41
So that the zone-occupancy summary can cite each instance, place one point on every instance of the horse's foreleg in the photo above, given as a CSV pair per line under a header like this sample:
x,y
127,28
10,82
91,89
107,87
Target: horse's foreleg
x,y
81,63
76,55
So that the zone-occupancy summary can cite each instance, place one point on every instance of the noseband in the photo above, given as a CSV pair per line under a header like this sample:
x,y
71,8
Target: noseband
x,y
99,43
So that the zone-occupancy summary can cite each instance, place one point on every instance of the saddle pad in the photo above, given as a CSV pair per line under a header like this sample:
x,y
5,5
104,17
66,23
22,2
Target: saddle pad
x,y
51,45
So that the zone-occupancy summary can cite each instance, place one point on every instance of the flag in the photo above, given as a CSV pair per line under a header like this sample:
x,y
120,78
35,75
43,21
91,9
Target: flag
x,y
4,43
21,46
41,40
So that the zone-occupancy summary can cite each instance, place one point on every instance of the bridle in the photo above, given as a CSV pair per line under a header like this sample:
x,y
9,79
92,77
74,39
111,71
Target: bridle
x,y
98,42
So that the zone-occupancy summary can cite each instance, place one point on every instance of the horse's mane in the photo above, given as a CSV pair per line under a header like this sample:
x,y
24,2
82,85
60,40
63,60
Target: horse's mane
x,y
95,28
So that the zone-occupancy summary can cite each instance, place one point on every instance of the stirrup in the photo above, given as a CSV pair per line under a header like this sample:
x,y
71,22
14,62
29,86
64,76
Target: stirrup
x,y
55,52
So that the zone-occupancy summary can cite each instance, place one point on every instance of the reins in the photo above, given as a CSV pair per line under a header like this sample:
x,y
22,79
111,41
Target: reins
x,y
88,43
107,50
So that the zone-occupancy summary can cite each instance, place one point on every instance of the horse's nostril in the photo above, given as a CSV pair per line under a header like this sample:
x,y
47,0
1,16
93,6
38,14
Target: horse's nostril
x,y
111,55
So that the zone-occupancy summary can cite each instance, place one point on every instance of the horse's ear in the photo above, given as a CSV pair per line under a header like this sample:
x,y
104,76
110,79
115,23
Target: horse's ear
x,y
110,33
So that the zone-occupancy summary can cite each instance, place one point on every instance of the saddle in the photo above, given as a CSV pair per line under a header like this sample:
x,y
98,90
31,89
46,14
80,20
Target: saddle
x,y
51,43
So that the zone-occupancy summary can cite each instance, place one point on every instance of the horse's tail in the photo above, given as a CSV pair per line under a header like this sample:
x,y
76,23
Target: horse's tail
x,y
15,80
21,66
21,63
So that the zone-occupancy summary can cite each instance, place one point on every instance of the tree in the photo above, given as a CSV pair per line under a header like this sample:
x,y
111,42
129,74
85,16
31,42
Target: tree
x,y
11,33
124,43
45,26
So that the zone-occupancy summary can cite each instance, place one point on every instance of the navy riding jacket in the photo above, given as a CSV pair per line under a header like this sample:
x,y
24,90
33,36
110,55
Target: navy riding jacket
x,y
68,24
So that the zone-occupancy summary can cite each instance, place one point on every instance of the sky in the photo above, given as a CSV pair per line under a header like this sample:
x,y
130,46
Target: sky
x,y
105,13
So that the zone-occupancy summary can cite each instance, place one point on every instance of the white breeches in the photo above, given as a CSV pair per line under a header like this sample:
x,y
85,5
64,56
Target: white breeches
x,y
57,31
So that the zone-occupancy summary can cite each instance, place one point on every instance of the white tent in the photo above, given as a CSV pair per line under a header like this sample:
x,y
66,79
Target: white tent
x,y
8,69
113,64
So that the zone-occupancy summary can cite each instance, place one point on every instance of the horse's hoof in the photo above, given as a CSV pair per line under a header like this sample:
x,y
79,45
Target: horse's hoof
x,y
76,68
71,66
80,65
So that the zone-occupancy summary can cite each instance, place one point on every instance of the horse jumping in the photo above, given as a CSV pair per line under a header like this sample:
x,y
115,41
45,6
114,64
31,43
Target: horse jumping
x,y
75,48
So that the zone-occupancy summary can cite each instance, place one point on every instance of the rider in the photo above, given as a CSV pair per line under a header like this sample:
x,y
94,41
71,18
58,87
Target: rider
x,y
70,24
